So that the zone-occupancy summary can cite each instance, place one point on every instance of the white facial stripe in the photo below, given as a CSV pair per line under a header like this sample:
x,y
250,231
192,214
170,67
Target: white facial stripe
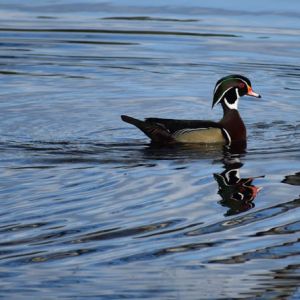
x,y
224,180
233,105
222,95
237,93
236,174
242,196
232,78
217,87
243,81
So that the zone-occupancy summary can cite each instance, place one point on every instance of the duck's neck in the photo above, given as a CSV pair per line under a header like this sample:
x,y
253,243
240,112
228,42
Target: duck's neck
x,y
234,124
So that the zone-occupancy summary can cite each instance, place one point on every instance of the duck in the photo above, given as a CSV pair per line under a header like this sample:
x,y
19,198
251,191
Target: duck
x,y
230,129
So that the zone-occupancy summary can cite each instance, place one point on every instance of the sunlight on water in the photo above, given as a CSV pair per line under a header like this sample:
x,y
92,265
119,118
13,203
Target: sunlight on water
x,y
90,208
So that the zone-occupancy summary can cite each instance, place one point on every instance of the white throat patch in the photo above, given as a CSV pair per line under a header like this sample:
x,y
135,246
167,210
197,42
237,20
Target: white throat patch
x,y
233,105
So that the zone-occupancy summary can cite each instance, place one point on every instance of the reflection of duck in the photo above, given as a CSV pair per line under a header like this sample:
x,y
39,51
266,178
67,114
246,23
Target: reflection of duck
x,y
237,193
230,129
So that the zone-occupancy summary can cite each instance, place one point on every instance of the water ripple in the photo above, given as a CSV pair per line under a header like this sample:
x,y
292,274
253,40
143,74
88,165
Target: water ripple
x,y
88,205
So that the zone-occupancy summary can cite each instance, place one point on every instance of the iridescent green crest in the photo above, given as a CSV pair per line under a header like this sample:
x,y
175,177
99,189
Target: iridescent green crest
x,y
232,83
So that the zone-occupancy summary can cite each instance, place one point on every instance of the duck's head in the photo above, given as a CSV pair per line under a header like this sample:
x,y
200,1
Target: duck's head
x,y
230,88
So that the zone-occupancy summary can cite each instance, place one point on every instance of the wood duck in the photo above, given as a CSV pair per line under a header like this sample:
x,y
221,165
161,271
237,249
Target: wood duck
x,y
229,129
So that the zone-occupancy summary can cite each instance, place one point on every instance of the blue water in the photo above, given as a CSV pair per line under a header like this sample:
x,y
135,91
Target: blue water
x,y
89,209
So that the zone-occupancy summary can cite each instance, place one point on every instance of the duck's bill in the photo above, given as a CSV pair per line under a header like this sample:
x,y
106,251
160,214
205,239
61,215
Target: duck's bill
x,y
252,93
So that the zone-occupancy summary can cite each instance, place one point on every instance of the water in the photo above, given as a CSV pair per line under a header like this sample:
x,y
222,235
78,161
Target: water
x,y
89,209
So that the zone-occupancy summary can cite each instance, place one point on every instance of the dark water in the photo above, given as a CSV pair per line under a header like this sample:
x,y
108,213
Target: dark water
x,y
89,209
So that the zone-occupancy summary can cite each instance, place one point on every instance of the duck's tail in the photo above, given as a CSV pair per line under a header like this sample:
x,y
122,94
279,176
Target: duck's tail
x,y
154,131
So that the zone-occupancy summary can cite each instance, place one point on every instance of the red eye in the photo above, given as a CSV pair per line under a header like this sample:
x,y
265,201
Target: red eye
x,y
241,85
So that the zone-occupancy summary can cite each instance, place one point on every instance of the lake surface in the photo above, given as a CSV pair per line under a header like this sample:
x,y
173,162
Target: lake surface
x,y
89,209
